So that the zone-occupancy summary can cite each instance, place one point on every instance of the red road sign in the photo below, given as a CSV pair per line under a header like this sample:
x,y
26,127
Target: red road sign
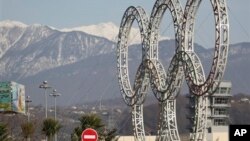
x,y
89,134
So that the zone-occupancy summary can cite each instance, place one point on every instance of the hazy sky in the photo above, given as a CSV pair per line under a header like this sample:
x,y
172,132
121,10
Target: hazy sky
x,y
72,13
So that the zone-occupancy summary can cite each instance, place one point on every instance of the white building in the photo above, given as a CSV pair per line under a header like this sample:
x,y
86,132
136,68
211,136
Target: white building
x,y
218,113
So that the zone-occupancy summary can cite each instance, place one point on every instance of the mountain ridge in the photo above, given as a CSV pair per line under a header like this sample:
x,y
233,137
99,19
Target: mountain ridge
x,y
36,41
83,67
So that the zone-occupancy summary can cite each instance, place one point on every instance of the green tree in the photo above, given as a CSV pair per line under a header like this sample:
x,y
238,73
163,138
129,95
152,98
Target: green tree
x,y
94,122
50,127
28,129
4,135
109,135
91,121
76,135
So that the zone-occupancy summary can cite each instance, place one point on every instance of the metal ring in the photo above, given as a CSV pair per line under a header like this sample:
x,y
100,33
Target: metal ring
x,y
166,86
165,78
130,95
221,45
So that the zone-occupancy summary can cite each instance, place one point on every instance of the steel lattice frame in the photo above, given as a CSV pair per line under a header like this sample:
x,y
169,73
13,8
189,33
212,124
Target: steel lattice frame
x,y
163,84
221,44
199,119
138,92
166,86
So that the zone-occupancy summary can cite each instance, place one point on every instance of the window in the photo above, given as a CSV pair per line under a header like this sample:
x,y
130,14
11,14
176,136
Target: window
x,y
220,111
221,100
220,122
229,91
223,90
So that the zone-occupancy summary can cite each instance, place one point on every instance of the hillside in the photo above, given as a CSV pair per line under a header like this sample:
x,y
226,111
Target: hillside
x,y
82,67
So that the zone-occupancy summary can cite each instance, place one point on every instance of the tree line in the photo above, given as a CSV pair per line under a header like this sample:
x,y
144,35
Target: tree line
x,y
50,127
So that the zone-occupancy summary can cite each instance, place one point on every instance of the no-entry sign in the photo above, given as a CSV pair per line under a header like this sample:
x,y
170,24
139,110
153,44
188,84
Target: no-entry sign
x,y
89,134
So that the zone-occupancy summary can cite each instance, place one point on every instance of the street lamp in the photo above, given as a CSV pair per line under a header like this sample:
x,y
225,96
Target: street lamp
x,y
45,86
55,94
27,101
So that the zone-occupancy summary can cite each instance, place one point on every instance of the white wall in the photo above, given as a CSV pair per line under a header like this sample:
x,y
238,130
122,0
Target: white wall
x,y
132,138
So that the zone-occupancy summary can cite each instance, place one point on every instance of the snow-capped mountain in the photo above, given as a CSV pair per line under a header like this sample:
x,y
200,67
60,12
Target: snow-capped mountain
x,y
110,31
107,30
26,50
10,32
11,24
83,66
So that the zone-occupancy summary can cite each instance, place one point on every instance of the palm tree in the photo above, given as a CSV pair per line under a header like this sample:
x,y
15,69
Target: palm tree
x,y
50,127
3,132
28,129
76,135
91,121
110,135
86,121
94,122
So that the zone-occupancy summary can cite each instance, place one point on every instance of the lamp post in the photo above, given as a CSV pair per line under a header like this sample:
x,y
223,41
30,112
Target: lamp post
x,y
45,86
55,94
27,101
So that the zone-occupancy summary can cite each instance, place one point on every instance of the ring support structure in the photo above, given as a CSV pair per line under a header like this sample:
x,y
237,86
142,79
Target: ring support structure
x,y
184,64
138,92
220,48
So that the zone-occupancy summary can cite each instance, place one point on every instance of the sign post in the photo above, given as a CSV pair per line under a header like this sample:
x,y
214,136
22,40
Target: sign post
x,y
89,134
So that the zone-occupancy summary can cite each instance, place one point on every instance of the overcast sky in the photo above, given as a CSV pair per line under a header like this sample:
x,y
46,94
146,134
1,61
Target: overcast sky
x,y
72,13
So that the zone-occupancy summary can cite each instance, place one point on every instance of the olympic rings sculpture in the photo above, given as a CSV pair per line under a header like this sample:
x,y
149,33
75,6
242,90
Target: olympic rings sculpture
x,y
185,64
